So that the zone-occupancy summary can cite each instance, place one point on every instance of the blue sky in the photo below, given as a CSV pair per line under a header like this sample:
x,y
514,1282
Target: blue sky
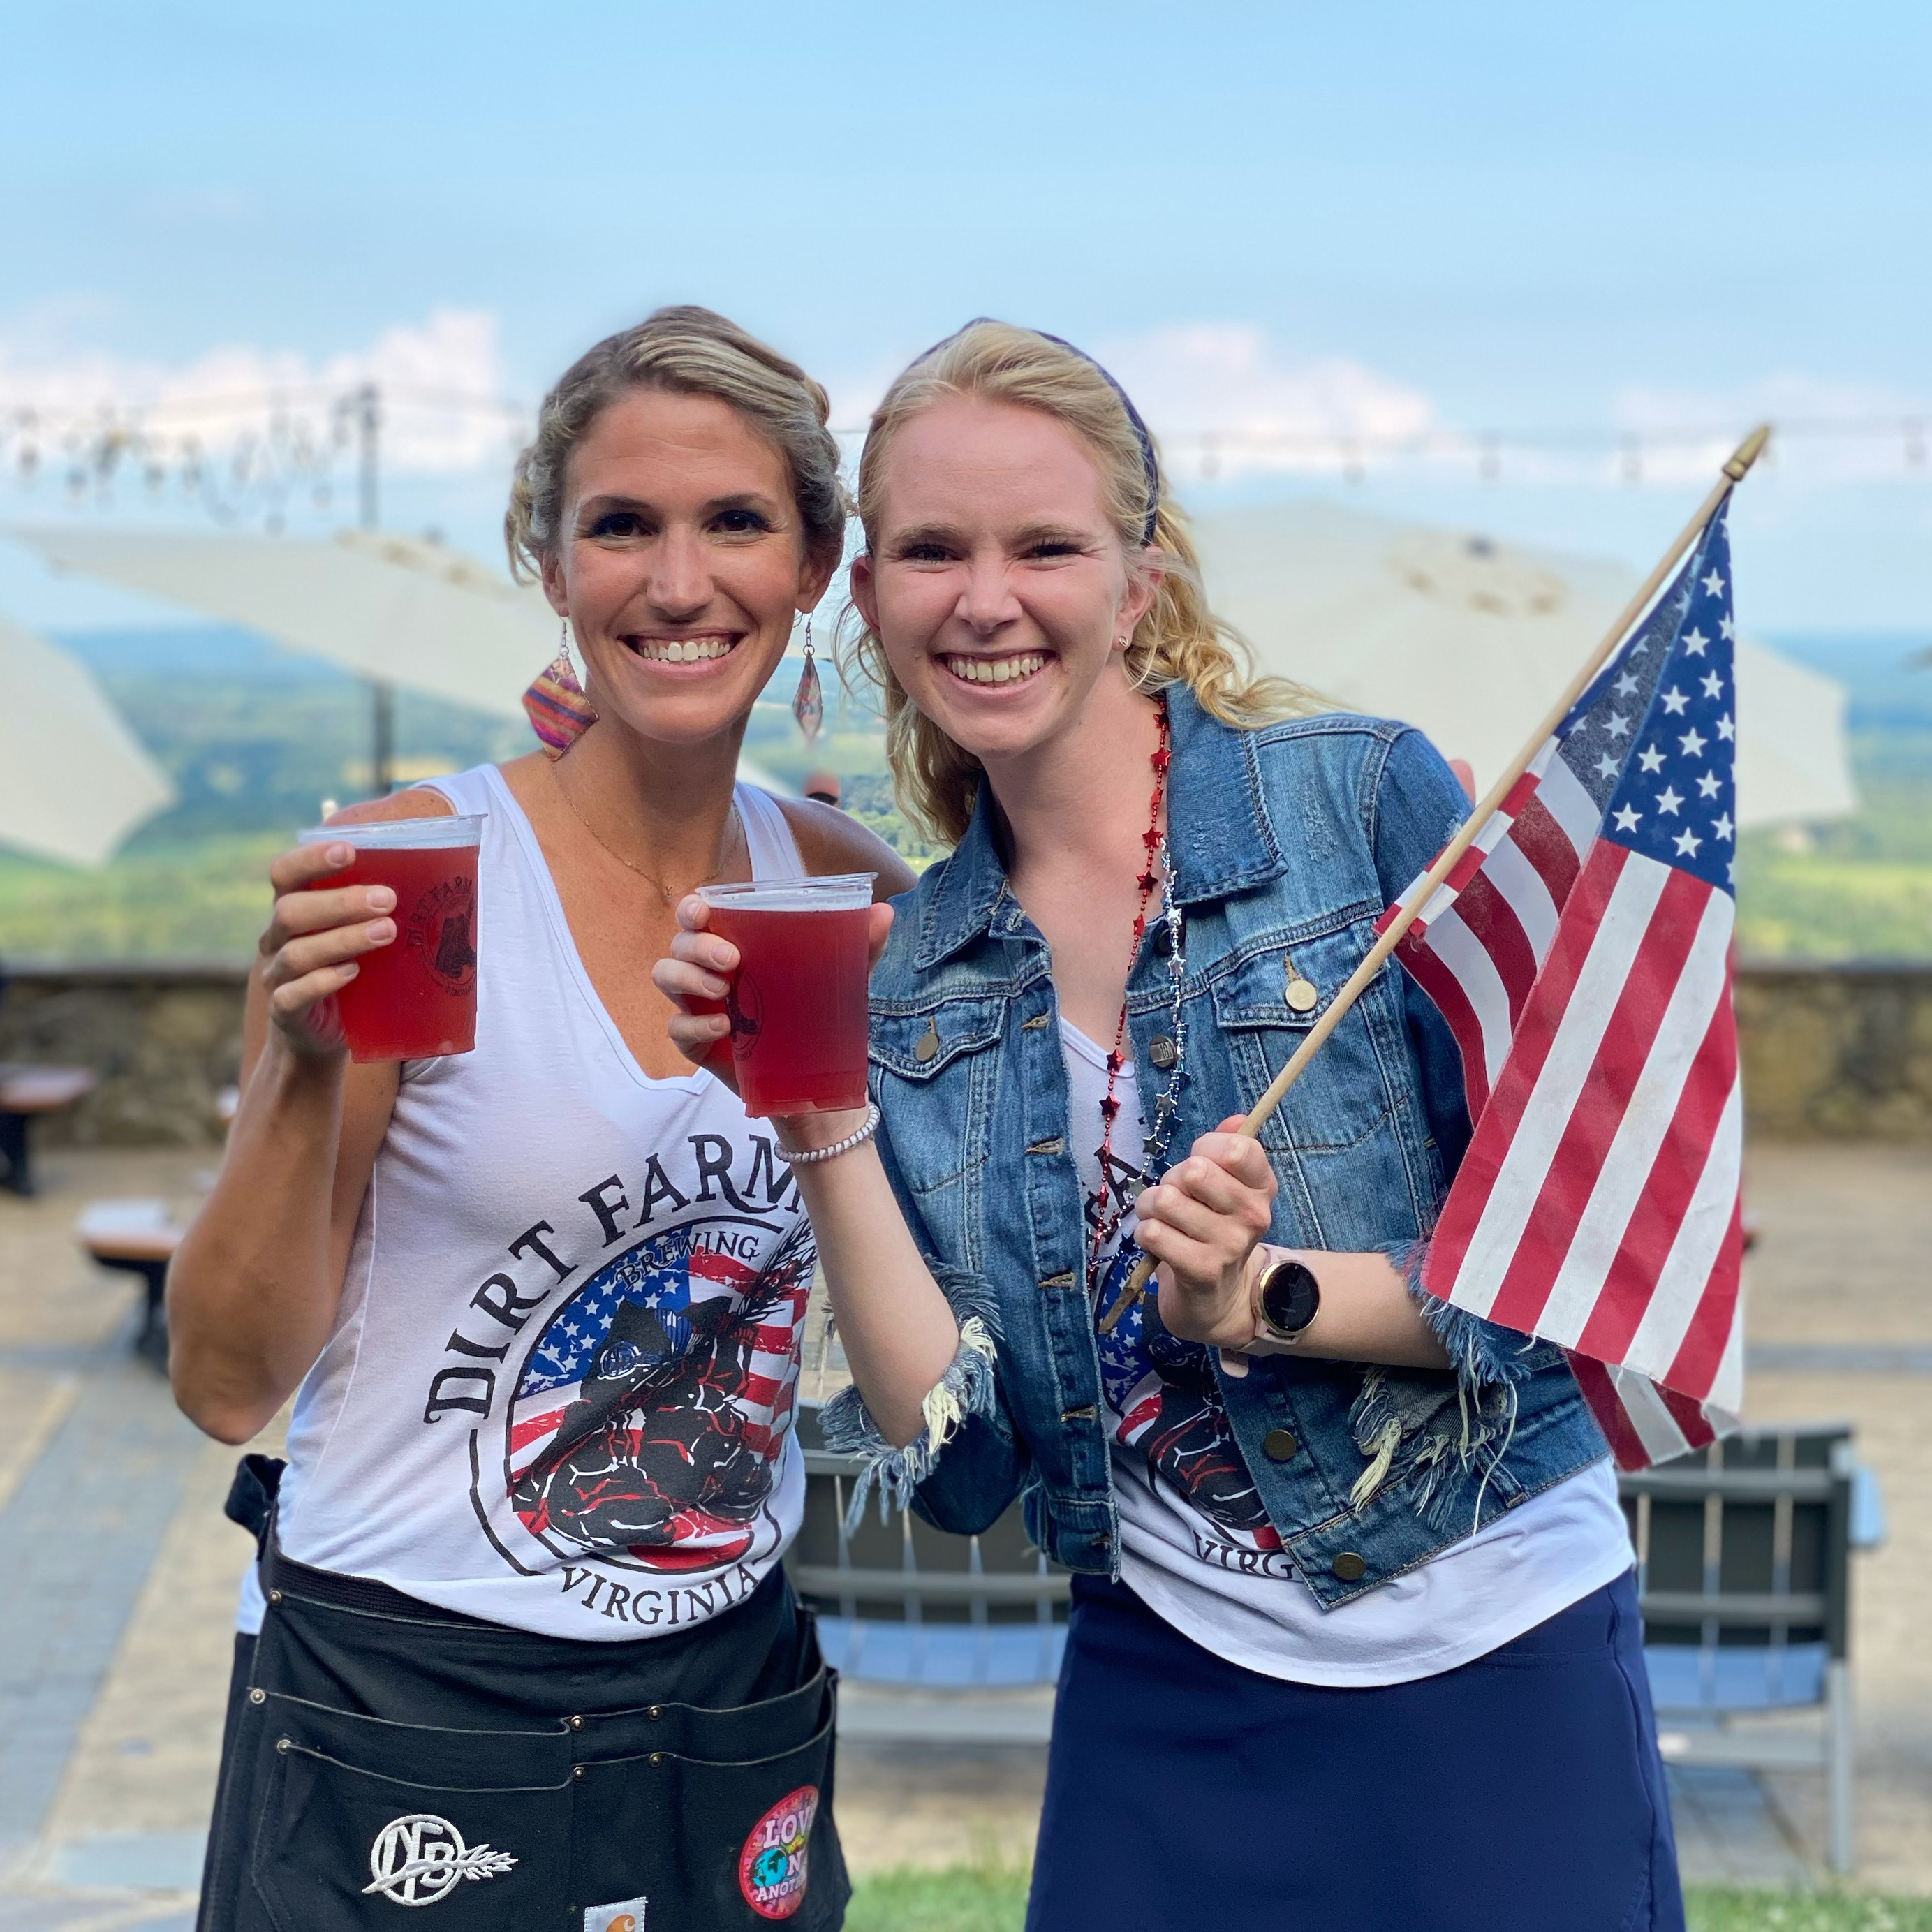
x,y
1492,216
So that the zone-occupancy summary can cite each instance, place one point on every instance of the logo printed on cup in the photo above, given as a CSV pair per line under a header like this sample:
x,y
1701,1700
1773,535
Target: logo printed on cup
x,y
745,1007
441,931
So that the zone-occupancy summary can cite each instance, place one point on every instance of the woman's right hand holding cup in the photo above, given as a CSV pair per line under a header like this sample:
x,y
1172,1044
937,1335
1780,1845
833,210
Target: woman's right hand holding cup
x,y
696,979
315,937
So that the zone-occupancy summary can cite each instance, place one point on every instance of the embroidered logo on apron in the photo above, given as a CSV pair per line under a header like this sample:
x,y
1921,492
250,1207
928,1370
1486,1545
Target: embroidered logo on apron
x,y
771,1868
421,1859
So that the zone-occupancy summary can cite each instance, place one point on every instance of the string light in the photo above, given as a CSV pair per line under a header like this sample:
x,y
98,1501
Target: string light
x,y
248,457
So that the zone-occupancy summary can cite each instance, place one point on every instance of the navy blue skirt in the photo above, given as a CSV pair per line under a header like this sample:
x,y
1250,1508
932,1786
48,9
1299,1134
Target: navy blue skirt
x,y
1520,1793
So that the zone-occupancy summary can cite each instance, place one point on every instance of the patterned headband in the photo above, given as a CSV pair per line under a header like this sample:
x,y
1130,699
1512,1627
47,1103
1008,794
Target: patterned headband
x,y
1149,466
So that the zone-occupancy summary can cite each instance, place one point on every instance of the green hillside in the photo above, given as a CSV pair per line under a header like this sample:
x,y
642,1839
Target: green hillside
x,y
255,741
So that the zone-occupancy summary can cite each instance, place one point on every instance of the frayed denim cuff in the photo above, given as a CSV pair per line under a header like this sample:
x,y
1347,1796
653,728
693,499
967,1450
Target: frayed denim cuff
x,y
968,1388
1484,1354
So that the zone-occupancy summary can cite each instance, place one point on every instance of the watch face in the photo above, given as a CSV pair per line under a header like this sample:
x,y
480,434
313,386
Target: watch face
x,y
1290,1297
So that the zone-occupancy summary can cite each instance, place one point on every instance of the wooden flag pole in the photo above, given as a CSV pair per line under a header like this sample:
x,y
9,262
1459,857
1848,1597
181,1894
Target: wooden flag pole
x,y
1420,894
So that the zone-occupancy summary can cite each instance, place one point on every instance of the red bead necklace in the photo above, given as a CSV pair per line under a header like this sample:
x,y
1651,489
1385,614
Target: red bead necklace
x,y
1105,1225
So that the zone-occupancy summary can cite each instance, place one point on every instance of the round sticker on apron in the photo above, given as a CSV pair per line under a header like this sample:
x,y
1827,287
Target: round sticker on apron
x,y
771,1868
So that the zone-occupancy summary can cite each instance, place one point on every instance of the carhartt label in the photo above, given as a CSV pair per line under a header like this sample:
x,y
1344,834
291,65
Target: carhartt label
x,y
626,1916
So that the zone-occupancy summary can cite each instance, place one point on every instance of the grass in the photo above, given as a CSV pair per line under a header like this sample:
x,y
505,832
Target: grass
x,y
990,1896
203,898
1818,905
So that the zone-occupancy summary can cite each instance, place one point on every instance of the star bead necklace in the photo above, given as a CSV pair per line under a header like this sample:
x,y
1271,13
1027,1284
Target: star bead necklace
x,y
1104,1222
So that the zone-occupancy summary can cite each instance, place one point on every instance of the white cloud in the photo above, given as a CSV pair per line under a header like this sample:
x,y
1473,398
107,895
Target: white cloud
x,y
437,378
1222,402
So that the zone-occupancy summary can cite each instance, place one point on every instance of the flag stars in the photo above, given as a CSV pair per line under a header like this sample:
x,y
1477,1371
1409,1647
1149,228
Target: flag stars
x,y
1713,585
1607,767
1694,742
1723,828
1667,800
1626,820
1618,726
1688,843
1709,785
1626,686
1696,642
1650,759
1726,730
1729,627
1713,685
1675,700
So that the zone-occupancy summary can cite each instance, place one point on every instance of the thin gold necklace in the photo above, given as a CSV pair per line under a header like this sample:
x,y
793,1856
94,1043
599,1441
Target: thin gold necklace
x,y
631,865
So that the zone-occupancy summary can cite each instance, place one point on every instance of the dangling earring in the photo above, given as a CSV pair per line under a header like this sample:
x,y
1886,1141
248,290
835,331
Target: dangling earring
x,y
808,705
559,712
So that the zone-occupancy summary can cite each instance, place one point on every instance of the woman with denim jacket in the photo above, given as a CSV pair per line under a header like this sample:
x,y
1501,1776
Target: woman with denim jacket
x,y
1354,1636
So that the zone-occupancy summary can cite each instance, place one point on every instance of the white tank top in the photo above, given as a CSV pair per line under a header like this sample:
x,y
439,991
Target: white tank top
x,y
559,1392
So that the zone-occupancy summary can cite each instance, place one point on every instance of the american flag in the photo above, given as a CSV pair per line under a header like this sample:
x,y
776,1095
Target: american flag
x,y
1581,955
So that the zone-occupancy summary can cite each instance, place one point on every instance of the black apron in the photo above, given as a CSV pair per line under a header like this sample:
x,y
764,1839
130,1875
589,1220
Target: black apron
x,y
382,1753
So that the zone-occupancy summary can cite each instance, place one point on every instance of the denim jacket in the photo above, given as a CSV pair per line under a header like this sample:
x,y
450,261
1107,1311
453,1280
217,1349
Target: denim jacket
x,y
1286,844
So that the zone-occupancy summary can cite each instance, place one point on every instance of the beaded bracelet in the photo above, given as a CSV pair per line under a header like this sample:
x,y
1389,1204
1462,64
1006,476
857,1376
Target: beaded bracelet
x,y
857,1138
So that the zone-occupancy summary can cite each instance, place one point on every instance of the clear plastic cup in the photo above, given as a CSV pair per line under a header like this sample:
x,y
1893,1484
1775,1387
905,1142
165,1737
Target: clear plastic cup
x,y
415,998
797,1002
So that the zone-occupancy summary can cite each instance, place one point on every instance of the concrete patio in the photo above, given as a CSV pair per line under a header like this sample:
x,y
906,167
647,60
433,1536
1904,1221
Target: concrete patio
x,y
117,1590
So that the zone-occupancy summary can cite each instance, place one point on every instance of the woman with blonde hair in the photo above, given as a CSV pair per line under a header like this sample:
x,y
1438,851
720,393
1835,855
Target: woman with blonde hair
x,y
1353,1639
518,1638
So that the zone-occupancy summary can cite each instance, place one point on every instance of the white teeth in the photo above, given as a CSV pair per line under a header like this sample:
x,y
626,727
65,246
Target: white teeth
x,y
683,650
995,670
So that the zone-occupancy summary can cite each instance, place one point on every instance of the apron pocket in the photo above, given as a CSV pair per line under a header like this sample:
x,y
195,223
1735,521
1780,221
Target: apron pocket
x,y
339,1844
742,1841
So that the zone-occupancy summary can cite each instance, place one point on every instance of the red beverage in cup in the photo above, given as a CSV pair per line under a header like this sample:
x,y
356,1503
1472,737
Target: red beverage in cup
x,y
797,1003
415,998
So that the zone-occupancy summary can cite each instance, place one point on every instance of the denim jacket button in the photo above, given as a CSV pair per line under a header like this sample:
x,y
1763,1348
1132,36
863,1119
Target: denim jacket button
x,y
1301,995
1160,1050
927,1044
1348,1567
1279,1446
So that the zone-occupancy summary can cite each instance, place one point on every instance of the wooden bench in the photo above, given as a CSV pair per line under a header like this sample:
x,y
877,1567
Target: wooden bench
x,y
26,1093
139,1236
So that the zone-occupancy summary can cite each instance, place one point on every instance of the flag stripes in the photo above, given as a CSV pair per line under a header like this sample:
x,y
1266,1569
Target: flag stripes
x,y
1580,952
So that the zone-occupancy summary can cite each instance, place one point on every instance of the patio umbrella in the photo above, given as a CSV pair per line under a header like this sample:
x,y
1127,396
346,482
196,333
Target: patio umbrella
x,y
393,609
74,781
1470,638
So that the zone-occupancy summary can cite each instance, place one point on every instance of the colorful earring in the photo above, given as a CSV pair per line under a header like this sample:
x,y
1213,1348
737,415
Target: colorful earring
x,y
808,705
559,712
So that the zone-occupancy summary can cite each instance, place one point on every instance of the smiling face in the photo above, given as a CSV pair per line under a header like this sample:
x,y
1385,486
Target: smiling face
x,y
680,561
996,581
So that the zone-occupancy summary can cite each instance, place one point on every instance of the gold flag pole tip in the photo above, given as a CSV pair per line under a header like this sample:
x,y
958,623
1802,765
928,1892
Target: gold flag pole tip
x,y
1747,453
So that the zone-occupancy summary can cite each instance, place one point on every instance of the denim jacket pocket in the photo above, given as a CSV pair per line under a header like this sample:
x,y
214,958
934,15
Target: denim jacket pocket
x,y
1265,1001
934,1071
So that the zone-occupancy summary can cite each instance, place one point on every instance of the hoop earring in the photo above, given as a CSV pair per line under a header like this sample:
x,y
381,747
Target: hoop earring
x,y
807,704
556,705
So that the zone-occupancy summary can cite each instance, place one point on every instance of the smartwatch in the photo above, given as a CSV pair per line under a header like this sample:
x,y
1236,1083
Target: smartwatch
x,y
1287,1297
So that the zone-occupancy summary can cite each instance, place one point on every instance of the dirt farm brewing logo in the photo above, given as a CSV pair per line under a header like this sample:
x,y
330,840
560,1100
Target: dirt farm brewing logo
x,y
771,1868
442,933
421,1858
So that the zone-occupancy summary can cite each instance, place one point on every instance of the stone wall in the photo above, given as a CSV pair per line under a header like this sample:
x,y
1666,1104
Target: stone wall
x,y
1835,1051
164,1039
